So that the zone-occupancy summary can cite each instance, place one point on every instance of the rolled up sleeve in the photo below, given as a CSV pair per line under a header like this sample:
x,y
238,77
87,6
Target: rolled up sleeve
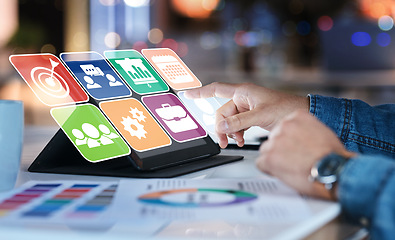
x,y
362,128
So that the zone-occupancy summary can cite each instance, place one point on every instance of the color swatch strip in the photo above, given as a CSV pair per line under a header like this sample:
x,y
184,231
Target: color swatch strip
x,y
59,201
76,202
26,196
95,205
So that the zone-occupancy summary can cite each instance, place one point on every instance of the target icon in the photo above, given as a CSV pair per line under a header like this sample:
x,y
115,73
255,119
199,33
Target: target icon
x,y
49,79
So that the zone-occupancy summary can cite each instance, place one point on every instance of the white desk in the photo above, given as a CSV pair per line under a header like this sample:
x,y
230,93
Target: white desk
x,y
37,137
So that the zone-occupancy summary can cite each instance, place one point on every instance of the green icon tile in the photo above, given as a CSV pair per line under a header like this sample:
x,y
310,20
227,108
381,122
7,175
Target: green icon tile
x,y
136,71
90,132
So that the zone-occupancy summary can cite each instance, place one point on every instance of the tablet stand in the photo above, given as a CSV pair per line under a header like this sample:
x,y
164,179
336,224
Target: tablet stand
x,y
60,156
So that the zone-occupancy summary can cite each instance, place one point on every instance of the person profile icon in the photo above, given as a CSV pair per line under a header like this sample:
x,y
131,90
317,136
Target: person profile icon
x,y
104,129
81,139
112,81
93,135
90,83
95,139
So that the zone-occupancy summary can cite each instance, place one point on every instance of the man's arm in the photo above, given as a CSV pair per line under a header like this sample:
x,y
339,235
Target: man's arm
x,y
361,127
366,191
366,188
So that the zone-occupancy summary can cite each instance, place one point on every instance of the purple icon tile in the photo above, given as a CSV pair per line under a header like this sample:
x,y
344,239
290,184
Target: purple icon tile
x,y
174,117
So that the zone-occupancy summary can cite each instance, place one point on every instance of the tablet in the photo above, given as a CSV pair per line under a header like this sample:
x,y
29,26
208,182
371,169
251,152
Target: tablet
x,y
120,105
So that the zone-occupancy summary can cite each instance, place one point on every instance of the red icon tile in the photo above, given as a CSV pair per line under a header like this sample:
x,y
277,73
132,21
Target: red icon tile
x,y
49,79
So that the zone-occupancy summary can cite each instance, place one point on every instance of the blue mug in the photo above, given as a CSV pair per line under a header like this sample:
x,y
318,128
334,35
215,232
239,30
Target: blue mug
x,y
11,141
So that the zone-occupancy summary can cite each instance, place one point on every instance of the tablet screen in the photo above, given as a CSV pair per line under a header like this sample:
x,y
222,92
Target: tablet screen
x,y
120,104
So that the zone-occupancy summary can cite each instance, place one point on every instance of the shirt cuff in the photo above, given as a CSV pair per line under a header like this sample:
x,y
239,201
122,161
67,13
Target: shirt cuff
x,y
333,112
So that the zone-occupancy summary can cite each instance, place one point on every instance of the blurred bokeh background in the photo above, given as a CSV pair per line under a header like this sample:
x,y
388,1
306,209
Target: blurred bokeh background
x,y
342,48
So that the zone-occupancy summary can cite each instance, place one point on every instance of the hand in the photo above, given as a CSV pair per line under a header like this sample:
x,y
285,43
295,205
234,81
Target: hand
x,y
250,105
294,146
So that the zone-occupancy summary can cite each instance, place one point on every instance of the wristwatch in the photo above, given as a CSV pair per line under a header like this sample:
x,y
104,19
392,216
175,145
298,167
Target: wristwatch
x,y
327,170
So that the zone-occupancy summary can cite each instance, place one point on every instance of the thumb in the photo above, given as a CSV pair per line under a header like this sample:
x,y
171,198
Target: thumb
x,y
240,121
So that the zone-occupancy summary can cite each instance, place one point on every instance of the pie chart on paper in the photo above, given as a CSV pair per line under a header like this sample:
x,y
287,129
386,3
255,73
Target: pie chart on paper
x,y
197,197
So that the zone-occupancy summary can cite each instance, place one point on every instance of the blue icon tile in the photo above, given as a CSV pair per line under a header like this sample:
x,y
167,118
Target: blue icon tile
x,y
96,75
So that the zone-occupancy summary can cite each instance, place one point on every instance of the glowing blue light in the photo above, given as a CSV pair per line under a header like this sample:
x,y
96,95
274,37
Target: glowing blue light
x,y
361,39
303,28
383,39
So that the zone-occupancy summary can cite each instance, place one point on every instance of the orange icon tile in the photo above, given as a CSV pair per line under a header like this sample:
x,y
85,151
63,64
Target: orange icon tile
x,y
171,68
135,124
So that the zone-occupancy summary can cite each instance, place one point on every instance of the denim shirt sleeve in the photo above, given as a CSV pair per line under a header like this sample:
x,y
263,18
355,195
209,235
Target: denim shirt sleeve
x,y
366,187
366,192
361,127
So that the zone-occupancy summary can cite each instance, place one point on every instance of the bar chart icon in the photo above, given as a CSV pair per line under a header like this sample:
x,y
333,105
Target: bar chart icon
x,y
136,70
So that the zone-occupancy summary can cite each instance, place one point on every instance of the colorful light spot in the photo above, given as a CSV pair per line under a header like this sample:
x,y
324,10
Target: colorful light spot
x,y
170,43
155,35
383,39
361,39
386,23
325,23
112,40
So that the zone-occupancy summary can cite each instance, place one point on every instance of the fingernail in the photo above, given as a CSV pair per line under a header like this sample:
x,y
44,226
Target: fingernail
x,y
223,126
223,146
232,136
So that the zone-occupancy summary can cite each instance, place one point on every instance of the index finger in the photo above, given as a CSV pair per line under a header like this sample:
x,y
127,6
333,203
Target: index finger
x,y
216,89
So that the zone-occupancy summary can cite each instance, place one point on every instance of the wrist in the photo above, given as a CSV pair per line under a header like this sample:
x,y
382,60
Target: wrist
x,y
320,191
326,173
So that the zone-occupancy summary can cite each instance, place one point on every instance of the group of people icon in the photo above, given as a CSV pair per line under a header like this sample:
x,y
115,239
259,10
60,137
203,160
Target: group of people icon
x,y
90,70
91,84
93,137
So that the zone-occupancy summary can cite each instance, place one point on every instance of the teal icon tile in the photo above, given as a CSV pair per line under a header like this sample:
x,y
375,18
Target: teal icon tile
x,y
136,71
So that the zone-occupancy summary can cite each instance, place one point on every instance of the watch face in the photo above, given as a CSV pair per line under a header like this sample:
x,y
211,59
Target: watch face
x,y
329,166
326,171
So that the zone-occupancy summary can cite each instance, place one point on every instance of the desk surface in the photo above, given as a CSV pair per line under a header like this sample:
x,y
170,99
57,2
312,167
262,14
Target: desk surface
x,y
37,137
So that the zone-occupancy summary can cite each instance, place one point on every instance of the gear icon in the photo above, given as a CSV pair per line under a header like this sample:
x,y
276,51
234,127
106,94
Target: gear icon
x,y
137,114
137,130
